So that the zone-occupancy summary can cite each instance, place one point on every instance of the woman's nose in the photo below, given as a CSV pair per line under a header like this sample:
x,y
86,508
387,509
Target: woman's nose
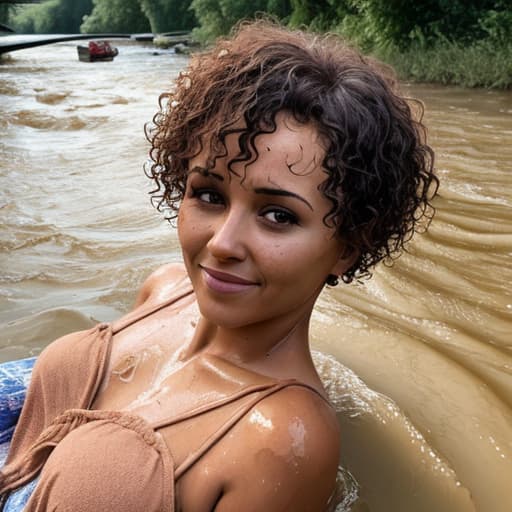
x,y
229,238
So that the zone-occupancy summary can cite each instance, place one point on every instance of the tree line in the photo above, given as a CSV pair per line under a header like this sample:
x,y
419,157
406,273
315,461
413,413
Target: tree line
x,y
369,23
395,30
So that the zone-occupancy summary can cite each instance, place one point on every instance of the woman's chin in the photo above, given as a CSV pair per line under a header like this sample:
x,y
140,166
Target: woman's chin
x,y
223,316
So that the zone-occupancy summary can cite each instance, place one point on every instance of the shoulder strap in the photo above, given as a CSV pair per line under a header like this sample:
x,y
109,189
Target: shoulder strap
x,y
213,439
184,288
210,406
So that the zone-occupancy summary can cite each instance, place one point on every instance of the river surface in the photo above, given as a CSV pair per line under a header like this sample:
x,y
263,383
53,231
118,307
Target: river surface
x,y
421,372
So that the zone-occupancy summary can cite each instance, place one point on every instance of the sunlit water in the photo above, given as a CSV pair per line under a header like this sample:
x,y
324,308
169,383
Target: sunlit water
x,y
422,367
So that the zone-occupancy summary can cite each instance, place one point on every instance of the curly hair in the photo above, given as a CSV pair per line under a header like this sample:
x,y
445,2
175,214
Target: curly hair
x,y
379,168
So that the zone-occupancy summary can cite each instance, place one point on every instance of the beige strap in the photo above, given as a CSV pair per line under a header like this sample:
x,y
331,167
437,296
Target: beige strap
x,y
233,420
210,406
144,312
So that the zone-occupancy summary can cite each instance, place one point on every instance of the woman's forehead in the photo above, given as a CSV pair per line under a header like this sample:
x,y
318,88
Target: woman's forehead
x,y
297,146
288,159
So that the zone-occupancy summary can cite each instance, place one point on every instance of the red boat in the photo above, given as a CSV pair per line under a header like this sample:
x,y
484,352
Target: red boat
x,y
96,51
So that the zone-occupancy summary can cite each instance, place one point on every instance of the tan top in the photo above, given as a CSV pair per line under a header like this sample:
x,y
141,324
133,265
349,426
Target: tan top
x,y
92,460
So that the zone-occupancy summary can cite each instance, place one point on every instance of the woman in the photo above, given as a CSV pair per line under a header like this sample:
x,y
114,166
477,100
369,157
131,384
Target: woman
x,y
290,162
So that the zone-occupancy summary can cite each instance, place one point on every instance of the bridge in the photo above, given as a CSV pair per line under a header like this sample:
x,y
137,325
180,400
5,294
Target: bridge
x,y
19,42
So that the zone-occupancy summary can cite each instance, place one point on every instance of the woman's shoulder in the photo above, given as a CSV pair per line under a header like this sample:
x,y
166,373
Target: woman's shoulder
x,y
288,448
83,352
161,284
71,350
66,375
305,424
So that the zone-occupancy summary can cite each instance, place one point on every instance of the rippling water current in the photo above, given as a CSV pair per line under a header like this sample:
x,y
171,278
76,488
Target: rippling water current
x,y
422,367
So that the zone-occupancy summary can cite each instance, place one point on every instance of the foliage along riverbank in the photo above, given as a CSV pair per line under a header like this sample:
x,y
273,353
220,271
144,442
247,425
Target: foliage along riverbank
x,y
479,64
461,42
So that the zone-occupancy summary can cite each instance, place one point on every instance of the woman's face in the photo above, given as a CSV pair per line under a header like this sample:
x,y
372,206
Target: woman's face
x,y
255,245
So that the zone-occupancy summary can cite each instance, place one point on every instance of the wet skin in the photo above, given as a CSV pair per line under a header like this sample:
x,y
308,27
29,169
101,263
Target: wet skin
x,y
255,244
257,252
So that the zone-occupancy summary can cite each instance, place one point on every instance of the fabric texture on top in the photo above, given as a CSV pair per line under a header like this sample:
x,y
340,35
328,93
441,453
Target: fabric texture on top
x,y
92,460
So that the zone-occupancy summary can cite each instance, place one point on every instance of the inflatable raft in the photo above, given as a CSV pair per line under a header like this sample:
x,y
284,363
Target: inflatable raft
x,y
14,380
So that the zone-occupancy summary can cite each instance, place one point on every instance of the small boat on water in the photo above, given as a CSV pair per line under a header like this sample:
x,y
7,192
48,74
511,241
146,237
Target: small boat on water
x,y
96,51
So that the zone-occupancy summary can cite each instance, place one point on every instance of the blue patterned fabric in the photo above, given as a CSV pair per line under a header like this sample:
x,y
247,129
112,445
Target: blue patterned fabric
x,y
14,380
19,498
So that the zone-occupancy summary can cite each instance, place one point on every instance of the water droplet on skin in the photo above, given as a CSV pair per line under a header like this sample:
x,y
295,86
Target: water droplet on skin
x,y
297,432
257,418
126,369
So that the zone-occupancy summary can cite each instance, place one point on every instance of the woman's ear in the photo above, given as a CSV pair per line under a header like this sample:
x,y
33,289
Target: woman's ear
x,y
347,258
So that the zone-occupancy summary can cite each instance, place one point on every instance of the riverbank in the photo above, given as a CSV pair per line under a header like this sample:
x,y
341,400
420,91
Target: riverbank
x,y
481,64
484,63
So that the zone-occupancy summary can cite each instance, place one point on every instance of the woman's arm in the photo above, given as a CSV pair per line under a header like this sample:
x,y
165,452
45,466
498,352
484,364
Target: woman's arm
x,y
284,457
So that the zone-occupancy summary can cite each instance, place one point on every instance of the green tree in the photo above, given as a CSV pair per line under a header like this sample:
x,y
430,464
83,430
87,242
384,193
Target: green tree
x,y
496,23
281,9
217,17
4,13
51,17
168,15
22,19
400,22
319,14
115,16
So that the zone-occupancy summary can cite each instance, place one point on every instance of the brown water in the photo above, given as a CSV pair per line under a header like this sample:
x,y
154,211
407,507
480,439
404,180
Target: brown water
x,y
429,426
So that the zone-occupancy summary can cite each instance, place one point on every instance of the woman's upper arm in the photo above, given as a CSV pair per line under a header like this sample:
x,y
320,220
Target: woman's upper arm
x,y
62,378
287,460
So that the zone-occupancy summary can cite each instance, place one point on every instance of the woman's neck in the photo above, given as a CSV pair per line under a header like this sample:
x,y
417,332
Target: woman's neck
x,y
256,344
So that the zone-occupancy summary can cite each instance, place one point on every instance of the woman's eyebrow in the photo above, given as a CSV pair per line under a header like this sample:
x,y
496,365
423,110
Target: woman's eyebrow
x,y
205,172
281,192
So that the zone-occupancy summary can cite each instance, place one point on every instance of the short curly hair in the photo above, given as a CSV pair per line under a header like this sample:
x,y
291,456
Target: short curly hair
x,y
379,168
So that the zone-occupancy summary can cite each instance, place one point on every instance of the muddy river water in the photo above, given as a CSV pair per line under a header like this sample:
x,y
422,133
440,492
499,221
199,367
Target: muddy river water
x,y
421,366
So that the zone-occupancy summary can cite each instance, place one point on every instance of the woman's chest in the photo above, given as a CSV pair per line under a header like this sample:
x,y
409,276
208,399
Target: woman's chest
x,y
143,359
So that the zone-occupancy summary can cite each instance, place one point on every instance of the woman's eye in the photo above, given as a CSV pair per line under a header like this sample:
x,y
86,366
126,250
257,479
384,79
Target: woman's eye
x,y
208,196
280,217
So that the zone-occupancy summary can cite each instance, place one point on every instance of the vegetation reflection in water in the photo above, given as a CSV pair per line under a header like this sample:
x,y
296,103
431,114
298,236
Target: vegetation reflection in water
x,y
421,374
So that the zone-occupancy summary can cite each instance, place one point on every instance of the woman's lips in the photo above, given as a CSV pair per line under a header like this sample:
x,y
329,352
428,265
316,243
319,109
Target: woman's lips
x,y
225,283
